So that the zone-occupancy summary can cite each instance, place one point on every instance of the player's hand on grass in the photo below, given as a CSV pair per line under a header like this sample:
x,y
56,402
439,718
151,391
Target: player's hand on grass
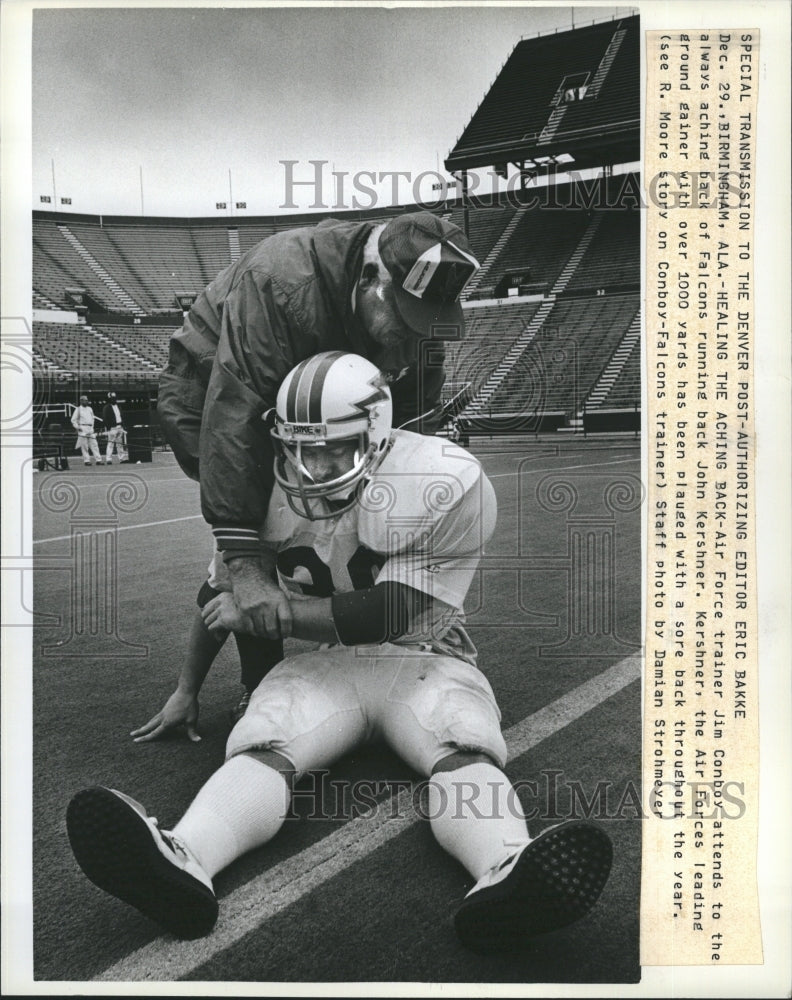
x,y
260,600
181,709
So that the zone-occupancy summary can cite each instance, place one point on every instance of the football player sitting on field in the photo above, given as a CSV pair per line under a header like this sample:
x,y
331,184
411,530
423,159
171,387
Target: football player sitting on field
x,y
378,535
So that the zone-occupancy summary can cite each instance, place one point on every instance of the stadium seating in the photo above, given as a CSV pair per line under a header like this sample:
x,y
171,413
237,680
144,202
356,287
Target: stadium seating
x,y
540,245
57,266
99,243
563,362
213,248
40,301
613,258
165,257
80,348
626,390
618,100
489,333
504,115
486,226
149,342
148,261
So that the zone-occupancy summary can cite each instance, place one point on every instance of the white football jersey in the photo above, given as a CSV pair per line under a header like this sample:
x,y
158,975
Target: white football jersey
x,y
422,519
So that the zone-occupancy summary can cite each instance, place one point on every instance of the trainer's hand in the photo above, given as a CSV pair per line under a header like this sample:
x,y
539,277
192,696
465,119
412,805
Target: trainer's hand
x,y
179,710
259,599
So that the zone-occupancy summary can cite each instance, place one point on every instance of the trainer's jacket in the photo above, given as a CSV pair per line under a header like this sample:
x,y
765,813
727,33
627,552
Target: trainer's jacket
x,y
285,300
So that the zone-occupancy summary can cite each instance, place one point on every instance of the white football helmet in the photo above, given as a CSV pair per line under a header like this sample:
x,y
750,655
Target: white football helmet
x,y
330,398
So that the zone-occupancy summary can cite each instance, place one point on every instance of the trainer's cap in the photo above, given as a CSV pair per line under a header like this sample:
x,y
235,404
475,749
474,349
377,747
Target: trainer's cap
x,y
111,395
430,261
83,399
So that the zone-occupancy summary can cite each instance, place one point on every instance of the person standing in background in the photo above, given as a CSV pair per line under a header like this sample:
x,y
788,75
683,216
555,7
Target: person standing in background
x,y
116,435
83,420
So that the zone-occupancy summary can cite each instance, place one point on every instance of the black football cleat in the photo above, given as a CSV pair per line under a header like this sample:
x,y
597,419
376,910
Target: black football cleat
x,y
554,881
122,850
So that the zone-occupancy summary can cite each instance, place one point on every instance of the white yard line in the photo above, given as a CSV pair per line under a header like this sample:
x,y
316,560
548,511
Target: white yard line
x,y
267,895
126,527
562,468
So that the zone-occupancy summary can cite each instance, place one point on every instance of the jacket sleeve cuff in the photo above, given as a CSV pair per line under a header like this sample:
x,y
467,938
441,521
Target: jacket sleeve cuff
x,y
234,540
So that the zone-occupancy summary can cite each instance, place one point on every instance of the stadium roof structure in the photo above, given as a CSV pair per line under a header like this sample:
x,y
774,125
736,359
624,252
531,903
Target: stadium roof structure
x,y
569,100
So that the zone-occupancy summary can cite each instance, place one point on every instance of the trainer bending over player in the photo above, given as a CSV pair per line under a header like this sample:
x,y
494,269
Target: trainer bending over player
x,y
378,534
375,290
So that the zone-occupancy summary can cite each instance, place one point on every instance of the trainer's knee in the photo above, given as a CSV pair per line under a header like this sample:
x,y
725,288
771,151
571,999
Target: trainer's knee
x,y
461,758
276,761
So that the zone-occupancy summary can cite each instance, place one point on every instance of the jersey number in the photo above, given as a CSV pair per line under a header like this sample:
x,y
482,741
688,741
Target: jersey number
x,y
360,568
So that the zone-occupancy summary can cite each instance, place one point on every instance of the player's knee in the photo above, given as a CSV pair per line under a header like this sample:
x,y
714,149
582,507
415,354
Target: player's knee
x,y
276,761
462,758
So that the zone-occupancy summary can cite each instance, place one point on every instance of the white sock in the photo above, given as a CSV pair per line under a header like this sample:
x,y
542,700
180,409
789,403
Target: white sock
x,y
240,807
476,816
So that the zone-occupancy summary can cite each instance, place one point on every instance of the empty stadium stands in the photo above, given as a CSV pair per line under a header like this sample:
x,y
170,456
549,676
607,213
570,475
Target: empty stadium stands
x,y
57,266
97,240
558,346
147,342
81,348
165,257
540,246
625,389
563,361
616,103
490,332
613,257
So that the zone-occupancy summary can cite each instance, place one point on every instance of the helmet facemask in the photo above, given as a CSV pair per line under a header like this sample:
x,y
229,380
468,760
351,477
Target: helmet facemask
x,y
327,401
309,497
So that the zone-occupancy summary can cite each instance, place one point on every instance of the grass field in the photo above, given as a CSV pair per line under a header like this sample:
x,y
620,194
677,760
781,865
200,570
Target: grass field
x,y
555,615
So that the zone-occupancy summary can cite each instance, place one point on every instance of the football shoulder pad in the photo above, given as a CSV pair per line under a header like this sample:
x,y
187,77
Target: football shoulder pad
x,y
421,482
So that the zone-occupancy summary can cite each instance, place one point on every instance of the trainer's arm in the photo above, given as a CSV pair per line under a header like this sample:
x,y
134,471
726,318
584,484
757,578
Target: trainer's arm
x,y
254,354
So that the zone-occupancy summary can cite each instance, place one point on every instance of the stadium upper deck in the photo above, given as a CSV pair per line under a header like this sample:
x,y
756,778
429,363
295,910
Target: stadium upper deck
x,y
573,93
